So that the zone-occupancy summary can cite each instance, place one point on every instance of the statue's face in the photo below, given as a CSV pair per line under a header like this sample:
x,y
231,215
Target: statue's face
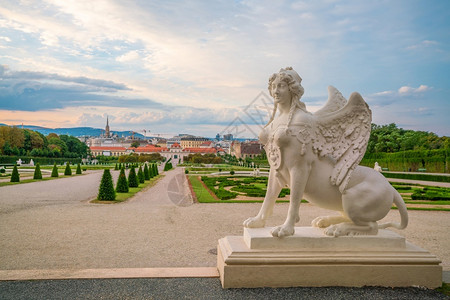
x,y
280,91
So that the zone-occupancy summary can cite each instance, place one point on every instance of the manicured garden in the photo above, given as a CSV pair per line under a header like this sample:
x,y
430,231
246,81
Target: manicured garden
x,y
238,189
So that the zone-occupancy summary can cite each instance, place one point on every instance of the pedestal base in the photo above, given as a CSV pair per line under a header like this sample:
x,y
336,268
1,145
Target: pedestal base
x,y
310,258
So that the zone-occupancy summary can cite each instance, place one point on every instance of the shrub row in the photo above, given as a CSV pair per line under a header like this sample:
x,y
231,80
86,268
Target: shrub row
x,y
424,177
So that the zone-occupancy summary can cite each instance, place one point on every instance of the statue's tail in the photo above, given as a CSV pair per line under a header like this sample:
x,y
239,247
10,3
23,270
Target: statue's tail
x,y
401,206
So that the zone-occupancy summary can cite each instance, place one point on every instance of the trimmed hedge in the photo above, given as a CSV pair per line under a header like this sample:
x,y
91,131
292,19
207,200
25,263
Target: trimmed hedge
x,y
122,183
78,169
132,178
55,171
146,172
4,159
15,177
141,176
68,170
37,172
424,177
106,189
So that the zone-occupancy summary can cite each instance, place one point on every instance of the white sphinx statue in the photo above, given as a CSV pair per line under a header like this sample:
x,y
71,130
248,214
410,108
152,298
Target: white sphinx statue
x,y
317,155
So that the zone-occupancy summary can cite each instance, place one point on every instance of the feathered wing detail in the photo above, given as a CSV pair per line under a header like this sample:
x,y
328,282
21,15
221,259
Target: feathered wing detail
x,y
343,135
335,102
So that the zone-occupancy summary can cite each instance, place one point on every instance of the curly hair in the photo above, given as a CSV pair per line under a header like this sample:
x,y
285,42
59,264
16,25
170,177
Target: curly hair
x,y
293,81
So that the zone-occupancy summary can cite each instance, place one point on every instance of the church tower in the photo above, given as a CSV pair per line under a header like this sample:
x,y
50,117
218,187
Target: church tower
x,y
107,128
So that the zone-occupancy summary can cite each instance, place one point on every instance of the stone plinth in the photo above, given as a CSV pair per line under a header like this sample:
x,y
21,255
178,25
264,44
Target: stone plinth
x,y
310,258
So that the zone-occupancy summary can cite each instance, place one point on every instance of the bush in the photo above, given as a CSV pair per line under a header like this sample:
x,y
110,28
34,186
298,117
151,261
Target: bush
x,y
122,183
68,170
141,176
55,171
146,172
15,177
155,170
132,178
425,177
106,189
116,167
78,169
231,172
37,172
186,171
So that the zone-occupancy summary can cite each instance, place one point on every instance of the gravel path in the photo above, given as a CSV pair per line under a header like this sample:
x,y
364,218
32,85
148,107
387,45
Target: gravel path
x,y
52,225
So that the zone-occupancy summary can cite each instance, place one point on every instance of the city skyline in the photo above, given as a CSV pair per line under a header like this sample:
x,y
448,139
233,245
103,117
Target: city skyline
x,y
193,67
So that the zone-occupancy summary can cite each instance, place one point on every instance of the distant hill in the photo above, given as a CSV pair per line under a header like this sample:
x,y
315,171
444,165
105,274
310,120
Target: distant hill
x,y
76,131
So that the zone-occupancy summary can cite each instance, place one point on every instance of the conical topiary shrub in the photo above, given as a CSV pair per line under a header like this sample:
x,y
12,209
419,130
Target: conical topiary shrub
x,y
120,166
37,172
15,177
116,167
68,170
155,170
55,171
122,183
146,172
78,169
106,189
141,175
132,178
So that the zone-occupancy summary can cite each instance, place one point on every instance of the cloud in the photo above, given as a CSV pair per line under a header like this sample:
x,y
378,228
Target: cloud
x,y
129,56
34,91
410,90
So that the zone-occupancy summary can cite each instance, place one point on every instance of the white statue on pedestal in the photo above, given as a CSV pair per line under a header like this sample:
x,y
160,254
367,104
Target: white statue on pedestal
x,y
377,167
317,155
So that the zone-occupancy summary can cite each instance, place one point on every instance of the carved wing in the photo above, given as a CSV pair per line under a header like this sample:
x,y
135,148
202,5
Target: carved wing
x,y
335,102
343,135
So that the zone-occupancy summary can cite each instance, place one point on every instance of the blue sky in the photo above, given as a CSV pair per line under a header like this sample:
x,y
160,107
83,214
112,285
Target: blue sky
x,y
174,67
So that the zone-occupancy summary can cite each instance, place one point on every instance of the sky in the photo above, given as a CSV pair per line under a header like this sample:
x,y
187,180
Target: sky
x,y
202,67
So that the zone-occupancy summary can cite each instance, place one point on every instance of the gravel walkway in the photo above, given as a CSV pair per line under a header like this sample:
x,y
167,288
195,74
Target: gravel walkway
x,y
52,225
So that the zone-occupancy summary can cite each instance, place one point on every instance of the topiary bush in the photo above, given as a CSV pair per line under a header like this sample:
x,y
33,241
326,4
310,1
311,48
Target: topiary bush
x,y
37,172
116,167
78,169
15,177
68,170
132,178
106,189
122,183
141,175
231,172
155,170
146,172
55,171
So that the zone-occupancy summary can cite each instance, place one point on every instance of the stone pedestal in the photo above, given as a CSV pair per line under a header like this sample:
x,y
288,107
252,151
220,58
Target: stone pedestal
x,y
310,258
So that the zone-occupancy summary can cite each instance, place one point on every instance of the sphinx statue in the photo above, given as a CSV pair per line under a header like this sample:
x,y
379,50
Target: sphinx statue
x,y
316,155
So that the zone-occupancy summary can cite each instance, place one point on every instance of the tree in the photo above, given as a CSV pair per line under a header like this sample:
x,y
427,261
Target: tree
x,y
37,172
7,150
68,170
146,172
106,189
78,169
15,177
55,171
122,183
141,176
132,178
116,167
155,170
135,144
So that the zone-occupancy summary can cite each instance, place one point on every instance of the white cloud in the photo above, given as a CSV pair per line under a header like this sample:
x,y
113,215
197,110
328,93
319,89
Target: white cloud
x,y
409,90
129,56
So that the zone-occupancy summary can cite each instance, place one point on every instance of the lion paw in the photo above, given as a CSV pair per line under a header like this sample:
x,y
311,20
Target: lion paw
x,y
254,222
321,222
283,230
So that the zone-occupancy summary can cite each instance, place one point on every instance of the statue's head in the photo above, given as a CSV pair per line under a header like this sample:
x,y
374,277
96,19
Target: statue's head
x,y
293,80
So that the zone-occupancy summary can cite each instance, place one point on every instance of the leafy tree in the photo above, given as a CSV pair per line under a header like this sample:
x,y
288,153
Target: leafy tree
x,y
68,170
37,172
146,172
132,178
122,183
106,189
7,150
55,171
141,176
15,177
78,169
135,144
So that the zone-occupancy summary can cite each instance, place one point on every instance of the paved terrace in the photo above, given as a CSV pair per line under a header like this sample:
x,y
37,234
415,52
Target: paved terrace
x,y
51,230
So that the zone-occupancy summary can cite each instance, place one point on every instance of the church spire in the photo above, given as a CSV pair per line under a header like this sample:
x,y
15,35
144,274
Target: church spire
x,y
107,127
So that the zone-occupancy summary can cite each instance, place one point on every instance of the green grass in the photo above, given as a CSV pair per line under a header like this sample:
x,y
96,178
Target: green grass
x,y
35,180
203,196
444,289
121,197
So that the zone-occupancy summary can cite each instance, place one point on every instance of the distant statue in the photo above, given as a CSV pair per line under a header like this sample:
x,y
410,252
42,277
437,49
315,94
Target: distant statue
x,y
377,167
316,155
19,162
31,162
